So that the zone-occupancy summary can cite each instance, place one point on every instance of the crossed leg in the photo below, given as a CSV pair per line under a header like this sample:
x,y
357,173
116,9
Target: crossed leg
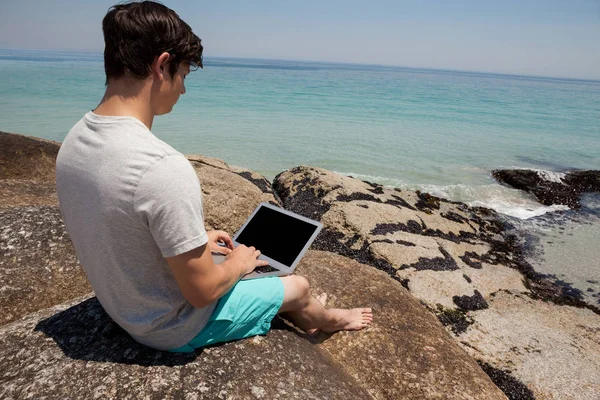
x,y
309,314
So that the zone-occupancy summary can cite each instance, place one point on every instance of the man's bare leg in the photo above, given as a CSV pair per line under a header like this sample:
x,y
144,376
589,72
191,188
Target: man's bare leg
x,y
310,314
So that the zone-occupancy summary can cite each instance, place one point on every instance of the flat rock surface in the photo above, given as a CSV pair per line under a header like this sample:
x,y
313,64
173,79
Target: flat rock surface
x,y
405,353
76,351
458,261
553,349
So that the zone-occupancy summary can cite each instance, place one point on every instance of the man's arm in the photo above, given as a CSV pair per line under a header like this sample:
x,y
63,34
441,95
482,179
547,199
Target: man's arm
x,y
203,282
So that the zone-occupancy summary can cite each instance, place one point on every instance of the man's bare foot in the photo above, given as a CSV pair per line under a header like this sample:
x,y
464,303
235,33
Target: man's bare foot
x,y
322,298
349,320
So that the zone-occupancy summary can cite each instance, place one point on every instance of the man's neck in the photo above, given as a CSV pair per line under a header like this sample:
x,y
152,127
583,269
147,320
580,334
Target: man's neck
x,y
127,97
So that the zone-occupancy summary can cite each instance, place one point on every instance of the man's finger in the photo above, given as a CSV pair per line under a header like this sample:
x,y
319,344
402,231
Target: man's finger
x,y
227,240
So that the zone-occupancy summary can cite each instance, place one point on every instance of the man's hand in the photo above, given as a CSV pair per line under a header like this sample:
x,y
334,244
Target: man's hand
x,y
248,256
219,236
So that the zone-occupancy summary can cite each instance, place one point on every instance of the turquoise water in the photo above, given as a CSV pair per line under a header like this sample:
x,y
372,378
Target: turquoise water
x,y
441,131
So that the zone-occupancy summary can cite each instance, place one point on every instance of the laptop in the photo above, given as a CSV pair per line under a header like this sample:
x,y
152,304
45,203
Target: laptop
x,y
281,236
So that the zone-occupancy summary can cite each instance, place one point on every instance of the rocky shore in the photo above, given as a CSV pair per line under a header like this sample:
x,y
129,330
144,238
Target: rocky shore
x,y
458,312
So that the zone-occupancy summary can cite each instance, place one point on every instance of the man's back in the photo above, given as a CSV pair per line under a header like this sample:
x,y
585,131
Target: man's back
x,y
117,185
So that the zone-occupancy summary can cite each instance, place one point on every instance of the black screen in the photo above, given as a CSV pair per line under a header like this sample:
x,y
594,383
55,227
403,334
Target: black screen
x,y
277,235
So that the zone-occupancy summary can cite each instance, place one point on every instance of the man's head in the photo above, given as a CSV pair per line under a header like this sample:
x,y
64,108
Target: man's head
x,y
147,39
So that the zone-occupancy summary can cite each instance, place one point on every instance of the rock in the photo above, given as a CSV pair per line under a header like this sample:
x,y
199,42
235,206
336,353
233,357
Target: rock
x,y
428,242
554,350
38,267
405,353
429,245
229,194
76,351
27,157
551,188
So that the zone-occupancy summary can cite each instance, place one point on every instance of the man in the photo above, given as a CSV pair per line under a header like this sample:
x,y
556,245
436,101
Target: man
x,y
132,206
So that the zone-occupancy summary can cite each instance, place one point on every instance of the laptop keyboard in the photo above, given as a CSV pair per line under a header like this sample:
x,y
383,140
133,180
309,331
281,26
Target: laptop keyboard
x,y
264,269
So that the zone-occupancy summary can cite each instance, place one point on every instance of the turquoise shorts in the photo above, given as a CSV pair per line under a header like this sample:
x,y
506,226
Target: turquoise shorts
x,y
246,310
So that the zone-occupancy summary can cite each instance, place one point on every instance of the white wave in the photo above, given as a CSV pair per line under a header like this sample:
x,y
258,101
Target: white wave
x,y
545,174
551,175
382,180
505,200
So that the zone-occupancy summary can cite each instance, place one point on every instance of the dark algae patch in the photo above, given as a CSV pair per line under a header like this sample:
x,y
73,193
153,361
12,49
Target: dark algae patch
x,y
471,259
427,202
456,319
471,303
357,196
446,263
399,202
307,201
262,184
513,388
333,241
411,226
452,216
375,188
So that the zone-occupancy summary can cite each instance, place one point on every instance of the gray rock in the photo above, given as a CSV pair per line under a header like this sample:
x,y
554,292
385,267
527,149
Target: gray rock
x,y
76,351
38,267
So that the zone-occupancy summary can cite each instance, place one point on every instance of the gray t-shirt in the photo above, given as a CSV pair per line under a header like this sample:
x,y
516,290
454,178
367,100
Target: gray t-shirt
x,y
128,200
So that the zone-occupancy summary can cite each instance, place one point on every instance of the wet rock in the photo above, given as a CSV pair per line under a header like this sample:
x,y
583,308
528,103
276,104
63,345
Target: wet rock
x,y
552,188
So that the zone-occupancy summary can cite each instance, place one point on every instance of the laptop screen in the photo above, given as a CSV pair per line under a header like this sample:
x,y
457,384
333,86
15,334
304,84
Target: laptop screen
x,y
277,235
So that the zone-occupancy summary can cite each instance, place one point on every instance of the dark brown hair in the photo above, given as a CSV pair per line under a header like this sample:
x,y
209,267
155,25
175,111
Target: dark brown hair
x,y
136,33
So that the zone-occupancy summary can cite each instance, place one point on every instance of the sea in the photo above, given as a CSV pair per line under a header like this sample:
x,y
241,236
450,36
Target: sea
x,y
438,131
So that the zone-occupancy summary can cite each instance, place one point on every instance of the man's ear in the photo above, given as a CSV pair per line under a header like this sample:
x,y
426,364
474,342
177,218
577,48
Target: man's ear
x,y
159,67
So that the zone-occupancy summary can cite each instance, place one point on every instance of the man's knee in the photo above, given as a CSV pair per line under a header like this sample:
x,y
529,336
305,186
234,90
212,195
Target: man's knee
x,y
296,290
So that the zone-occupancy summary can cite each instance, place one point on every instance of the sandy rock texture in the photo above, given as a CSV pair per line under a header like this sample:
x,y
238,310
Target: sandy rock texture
x,y
458,261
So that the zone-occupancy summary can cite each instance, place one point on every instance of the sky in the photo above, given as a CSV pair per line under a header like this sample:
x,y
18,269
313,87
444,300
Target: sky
x,y
558,38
